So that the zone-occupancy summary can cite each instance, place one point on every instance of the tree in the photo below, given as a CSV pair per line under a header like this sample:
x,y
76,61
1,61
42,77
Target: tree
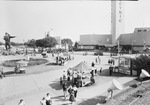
x,y
75,46
31,43
67,41
49,42
46,42
13,43
39,43
141,62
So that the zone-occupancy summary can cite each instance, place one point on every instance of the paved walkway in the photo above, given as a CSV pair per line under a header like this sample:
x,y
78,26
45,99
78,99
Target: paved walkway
x,y
34,86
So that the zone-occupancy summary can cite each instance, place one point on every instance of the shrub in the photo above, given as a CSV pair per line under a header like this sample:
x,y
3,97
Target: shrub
x,y
141,62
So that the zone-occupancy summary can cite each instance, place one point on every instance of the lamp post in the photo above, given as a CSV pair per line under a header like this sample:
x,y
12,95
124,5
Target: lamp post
x,y
132,46
144,44
118,46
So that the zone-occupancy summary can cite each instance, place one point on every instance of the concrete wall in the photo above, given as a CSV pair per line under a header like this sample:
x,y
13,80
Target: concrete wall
x,y
95,39
135,39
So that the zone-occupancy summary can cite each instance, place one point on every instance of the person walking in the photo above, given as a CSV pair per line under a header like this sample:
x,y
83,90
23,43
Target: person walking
x,y
2,72
99,59
96,60
43,101
100,71
21,102
70,89
64,86
110,70
93,64
72,98
75,89
48,99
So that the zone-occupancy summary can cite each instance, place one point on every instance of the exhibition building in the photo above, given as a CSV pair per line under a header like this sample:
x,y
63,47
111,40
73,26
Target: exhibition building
x,y
117,39
138,40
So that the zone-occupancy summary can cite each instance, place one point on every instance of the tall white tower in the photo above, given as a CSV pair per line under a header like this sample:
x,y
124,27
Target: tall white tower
x,y
117,19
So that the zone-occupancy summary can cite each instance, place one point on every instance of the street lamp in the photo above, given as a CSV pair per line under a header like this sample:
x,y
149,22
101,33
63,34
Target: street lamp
x,y
118,42
144,44
132,45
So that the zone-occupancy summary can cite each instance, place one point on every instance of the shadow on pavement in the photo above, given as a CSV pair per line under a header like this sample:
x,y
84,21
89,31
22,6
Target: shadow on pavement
x,y
94,101
9,72
56,85
12,73
52,63
61,99
105,72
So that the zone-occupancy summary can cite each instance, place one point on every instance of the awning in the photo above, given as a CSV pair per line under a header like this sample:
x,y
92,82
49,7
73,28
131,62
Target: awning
x,y
82,67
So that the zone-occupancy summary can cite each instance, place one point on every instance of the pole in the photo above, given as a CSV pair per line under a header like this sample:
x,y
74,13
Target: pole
x,y
118,47
132,47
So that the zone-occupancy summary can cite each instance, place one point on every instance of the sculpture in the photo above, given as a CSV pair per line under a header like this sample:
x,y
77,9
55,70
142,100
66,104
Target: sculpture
x,y
7,38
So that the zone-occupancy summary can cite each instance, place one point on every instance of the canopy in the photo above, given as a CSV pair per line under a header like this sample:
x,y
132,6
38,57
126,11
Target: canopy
x,y
22,63
82,67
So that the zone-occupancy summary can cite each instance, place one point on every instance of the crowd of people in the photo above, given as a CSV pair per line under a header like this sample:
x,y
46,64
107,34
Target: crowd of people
x,y
61,59
70,82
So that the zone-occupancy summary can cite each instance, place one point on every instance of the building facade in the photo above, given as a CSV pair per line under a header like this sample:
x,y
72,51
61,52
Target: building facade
x,y
138,40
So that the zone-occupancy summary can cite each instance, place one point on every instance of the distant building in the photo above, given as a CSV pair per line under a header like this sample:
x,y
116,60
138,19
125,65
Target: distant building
x,y
138,40
117,28
91,40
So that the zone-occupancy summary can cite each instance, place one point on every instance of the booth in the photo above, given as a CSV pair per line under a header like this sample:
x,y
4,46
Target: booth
x,y
84,71
78,75
123,64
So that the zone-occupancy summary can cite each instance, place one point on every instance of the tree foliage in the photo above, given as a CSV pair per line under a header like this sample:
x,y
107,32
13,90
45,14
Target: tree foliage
x,y
67,41
75,46
49,42
46,42
39,43
31,43
16,44
141,62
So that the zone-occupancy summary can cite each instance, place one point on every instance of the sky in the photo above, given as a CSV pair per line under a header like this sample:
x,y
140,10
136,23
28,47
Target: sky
x,y
67,19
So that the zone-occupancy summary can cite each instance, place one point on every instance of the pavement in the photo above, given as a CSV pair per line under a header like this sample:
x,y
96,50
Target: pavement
x,y
33,86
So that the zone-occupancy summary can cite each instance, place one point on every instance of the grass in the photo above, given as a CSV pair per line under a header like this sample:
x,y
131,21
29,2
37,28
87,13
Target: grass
x,y
132,96
32,62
